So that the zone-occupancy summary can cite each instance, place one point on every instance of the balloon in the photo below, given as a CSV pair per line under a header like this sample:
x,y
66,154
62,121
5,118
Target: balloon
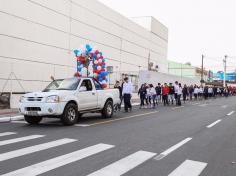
x,y
104,82
103,66
103,77
99,76
100,53
103,69
96,51
100,79
79,69
78,63
100,60
94,55
99,67
103,60
96,62
87,46
98,71
76,52
76,74
104,86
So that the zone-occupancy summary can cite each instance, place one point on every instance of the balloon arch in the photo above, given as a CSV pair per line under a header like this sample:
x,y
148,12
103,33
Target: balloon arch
x,y
87,55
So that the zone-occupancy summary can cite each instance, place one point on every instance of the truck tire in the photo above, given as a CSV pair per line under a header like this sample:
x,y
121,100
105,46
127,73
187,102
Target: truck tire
x,y
33,120
70,114
108,109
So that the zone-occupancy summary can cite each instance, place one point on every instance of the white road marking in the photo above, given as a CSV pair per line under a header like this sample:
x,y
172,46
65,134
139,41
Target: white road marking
x,y
171,149
224,106
195,103
6,133
32,149
229,114
82,125
15,140
203,105
57,162
124,165
178,107
119,119
189,168
214,123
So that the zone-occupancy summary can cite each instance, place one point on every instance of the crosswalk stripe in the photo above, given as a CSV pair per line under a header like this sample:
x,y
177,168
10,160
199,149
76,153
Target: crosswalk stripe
x,y
15,140
57,162
188,167
32,149
6,133
124,165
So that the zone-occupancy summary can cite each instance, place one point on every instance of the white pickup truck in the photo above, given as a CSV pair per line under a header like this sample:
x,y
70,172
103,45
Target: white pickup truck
x,y
68,99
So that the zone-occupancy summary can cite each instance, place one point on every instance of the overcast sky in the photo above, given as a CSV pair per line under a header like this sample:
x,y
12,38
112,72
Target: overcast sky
x,y
196,27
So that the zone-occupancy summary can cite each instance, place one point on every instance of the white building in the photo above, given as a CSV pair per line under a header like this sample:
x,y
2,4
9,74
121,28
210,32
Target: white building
x,y
37,39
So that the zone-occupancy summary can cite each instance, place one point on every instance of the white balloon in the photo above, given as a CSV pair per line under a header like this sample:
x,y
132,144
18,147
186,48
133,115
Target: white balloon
x,y
95,74
99,67
104,82
99,60
98,55
96,62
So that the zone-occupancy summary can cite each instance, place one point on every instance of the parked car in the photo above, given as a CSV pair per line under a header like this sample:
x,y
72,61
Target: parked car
x,y
68,99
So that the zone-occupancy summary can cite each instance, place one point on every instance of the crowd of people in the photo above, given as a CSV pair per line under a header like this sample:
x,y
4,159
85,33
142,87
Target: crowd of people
x,y
169,94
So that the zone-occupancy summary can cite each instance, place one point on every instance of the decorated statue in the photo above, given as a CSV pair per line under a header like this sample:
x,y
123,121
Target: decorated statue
x,y
85,55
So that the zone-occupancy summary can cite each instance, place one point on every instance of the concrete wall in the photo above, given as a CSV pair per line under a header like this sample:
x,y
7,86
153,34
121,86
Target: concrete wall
x,y
155,78
37,38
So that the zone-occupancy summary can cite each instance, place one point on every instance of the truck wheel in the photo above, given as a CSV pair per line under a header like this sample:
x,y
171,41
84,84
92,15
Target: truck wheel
x,y
108,109
70,114
33,120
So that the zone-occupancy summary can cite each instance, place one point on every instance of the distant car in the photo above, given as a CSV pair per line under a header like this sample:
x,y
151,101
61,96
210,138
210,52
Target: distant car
x,y
68,99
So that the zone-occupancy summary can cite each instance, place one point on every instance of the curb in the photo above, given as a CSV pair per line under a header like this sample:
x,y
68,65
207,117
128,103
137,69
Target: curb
x,y
10,119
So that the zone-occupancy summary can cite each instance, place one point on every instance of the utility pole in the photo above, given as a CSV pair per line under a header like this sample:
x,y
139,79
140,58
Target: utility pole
x,y
202,80
224,62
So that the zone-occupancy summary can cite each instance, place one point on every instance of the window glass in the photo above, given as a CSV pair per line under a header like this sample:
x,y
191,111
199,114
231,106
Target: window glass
x,y
86,85
97,85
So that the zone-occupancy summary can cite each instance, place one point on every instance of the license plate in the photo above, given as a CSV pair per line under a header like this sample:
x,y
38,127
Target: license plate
x,y
32,113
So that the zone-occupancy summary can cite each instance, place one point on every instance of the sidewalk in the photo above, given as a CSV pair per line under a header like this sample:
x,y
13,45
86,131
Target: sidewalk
x,y
8,111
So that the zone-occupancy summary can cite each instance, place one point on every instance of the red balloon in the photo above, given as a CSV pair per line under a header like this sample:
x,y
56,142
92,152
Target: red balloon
x,y
103,63
104,86
103,77
99,64
97,52
77,74
98,71
103,69
101,57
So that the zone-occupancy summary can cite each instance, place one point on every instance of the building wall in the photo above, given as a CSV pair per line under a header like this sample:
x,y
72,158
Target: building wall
x,y
37,39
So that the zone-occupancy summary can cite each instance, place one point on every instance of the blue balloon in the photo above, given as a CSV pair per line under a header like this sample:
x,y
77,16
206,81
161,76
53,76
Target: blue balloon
x,y
79,69
106,80
100,79
95,67
103,60
103,66
79,63
88,46
99,76
76,52
94,55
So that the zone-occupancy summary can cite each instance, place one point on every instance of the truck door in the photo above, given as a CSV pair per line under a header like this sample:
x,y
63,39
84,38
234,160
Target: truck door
x,y
87,95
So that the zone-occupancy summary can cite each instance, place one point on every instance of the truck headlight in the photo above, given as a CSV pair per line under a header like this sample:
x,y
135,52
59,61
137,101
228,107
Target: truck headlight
x,y
22,99
53,99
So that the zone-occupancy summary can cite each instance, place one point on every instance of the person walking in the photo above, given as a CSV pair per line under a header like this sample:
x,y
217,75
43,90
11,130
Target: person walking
x,y
191,90
117,86
127,93
153,95
171,93
179,93
158,93
185,92
165,93
176,86
142,94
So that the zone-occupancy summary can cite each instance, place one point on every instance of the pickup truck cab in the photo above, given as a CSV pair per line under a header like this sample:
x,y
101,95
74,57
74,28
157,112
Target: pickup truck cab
x,y
68,99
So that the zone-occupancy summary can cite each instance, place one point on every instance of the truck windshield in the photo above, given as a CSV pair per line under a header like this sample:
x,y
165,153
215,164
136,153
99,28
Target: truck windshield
x,y
63,84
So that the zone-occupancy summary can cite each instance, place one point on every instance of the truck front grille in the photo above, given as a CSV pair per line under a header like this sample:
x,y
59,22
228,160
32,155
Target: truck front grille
x,y
34,98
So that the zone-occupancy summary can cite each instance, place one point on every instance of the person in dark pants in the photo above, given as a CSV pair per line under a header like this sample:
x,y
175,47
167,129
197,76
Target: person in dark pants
x,y
172,93
185,93
165,93
179,93
127,92
142,94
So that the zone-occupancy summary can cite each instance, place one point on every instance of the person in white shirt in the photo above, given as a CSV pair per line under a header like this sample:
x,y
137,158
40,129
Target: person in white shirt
x,y
195,92
148,100
153,94
176,86
127,93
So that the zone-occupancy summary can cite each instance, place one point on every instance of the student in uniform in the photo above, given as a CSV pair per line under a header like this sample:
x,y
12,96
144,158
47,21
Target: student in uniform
x,y
127,93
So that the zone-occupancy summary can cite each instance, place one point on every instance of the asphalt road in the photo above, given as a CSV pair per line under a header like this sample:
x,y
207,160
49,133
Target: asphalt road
x,y
198,138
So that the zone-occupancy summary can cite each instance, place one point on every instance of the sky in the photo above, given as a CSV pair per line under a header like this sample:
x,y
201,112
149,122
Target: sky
x,y
196,27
